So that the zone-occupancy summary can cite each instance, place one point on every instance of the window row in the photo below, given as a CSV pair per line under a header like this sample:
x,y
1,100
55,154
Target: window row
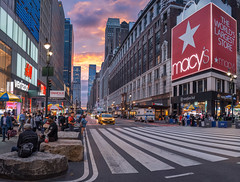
x,y
15,32
26,71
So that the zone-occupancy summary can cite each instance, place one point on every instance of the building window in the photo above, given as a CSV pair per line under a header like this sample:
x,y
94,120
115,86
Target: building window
x,y
175,91
150,91
149,77
164,86
185,89
157,88
205,85
164,50
156,74
200,86
223,86
218,85
164,70
180,90
158,60
194,87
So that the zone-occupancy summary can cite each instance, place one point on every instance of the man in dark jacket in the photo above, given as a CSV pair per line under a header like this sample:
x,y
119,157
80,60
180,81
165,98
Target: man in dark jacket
x,y
28,136
52,132
6,123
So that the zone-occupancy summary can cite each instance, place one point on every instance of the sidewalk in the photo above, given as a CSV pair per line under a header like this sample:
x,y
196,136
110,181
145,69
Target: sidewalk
x,y
8,144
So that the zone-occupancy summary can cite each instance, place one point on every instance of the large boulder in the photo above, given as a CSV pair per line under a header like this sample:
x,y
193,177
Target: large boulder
x,y
38,166
68,135
72,149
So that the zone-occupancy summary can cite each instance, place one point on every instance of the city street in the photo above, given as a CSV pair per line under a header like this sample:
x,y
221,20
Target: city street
x,y
133,151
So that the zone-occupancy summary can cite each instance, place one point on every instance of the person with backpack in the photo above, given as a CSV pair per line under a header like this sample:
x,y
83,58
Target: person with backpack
x,y
83,124
27,142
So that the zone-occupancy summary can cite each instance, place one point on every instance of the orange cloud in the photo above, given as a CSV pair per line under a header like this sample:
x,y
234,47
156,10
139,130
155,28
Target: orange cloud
x,y
85,59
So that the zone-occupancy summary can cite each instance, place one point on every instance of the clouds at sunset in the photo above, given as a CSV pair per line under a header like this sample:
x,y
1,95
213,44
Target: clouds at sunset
x,y
89,18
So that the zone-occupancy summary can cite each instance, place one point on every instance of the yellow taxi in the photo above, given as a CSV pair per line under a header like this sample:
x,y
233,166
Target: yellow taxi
x,y
106,118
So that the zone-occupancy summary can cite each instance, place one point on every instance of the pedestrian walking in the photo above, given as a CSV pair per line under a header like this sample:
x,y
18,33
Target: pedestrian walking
x,y
83,124
5,125
33,123
22,119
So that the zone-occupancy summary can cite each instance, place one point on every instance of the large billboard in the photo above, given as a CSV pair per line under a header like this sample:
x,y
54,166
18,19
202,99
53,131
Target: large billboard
x,y
205,40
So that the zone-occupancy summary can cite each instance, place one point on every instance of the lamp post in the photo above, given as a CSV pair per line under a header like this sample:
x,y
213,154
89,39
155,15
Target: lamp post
x,y
47,46
232,77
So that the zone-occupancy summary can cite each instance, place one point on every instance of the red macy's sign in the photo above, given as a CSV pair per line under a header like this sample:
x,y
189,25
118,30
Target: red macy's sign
x,y
205,40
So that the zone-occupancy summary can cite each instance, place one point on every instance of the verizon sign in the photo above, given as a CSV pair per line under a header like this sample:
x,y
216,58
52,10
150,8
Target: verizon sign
x,y
205,40
57,94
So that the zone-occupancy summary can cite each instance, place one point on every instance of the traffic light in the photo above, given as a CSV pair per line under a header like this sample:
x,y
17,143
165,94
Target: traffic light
x,y
50,84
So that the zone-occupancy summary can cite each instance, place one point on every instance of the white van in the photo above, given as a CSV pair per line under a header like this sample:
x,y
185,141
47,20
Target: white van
x,y
145,114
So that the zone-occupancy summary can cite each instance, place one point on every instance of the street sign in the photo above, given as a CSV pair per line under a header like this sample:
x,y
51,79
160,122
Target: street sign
x,y
45,70
205,40
57,94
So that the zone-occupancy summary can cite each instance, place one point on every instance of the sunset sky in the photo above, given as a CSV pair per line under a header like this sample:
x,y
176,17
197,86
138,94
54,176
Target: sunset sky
x,y
89,19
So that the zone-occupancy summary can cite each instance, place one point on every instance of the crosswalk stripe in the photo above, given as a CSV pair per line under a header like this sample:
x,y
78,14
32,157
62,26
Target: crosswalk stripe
x,y
182,138
202,131
116,163
198,147
197,154
200,137
146,160
183,161
220,137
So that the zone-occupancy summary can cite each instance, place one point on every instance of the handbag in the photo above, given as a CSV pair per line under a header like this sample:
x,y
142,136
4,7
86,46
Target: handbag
x,y
25,150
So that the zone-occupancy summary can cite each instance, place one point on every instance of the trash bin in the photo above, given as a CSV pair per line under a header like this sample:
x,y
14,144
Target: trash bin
x,y
214,123
206,124
222,124
237,124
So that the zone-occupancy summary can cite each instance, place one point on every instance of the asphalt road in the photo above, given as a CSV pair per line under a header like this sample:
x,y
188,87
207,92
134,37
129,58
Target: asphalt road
x,y
137,152
152,152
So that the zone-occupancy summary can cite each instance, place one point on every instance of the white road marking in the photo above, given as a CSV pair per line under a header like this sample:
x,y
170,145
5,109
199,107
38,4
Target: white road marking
x,y
94,166
200,137
116,163
198,147
183,161
238,163
146,160
179,175
182,138
222,136
197,154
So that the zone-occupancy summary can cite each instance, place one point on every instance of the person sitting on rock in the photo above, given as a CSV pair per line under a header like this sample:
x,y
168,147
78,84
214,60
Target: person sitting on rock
x,y
52,131
28,136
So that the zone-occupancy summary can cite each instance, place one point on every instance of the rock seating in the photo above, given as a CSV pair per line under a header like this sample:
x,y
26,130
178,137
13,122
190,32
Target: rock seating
x,y
38,166
72,149
68,135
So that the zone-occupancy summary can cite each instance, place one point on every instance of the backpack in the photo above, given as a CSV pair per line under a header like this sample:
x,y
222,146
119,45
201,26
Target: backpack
x,y
25,150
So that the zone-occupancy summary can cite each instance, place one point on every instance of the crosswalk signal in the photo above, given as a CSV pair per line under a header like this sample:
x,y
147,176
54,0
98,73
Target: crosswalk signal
x,y
50,84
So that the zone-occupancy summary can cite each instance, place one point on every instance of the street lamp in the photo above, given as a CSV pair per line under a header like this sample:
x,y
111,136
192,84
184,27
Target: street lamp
x,y
47,46
232,77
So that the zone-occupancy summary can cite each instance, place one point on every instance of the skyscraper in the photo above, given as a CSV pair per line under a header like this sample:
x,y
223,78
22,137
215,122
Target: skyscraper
x,y
92,74
68,52
112,32
77,85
